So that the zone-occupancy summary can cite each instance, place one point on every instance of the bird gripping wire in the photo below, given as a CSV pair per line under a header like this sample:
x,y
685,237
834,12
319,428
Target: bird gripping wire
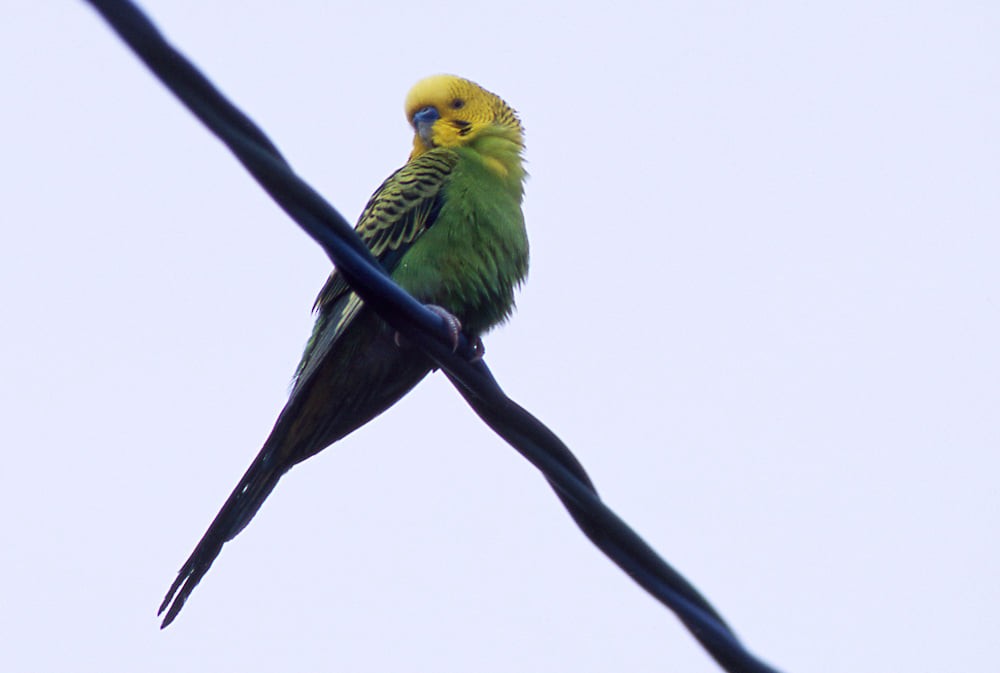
x,y
427,331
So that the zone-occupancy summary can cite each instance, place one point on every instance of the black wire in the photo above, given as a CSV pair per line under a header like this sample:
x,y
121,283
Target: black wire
x,y
427,330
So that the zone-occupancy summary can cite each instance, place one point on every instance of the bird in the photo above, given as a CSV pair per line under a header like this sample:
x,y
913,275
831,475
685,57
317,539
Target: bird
x,y
448,227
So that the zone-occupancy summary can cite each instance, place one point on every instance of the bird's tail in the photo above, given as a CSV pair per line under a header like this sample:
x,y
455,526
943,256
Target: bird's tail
x,y
340,395
241,506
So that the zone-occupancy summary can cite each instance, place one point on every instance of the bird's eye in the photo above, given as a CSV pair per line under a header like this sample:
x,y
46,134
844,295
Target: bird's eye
x,y
457,104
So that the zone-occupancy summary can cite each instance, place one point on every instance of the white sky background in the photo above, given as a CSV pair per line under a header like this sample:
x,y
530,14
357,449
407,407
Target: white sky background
x,y
764,311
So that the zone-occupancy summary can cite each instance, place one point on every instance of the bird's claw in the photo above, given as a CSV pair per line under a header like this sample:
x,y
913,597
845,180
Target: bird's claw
x,y
478,350
454,330
453,323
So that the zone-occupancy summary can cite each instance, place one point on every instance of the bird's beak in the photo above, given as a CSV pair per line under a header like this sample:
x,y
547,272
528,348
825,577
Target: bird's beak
x,y
423,122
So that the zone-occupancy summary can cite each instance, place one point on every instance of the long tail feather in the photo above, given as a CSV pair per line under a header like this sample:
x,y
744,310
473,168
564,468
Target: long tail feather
x,y
241,506
368,375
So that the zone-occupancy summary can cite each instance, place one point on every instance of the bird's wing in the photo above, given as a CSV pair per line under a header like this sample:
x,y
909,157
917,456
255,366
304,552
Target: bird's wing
x,y
401,209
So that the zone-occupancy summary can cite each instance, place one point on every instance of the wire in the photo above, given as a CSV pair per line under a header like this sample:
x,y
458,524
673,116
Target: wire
x,y
426,330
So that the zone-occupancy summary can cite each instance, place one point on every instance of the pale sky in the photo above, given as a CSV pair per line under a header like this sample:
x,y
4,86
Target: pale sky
x,y
763,311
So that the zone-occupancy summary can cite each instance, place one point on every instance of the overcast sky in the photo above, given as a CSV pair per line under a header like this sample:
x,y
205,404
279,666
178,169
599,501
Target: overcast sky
x,y
763,311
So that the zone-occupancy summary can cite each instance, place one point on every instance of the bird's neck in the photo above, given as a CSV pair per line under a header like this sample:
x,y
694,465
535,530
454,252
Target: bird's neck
x,y
500,151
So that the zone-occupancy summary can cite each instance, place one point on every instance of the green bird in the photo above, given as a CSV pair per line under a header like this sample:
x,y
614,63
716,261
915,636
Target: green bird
x,y
449,229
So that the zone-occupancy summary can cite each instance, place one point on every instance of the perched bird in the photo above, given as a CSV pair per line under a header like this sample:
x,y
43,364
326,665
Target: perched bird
x,y
448,228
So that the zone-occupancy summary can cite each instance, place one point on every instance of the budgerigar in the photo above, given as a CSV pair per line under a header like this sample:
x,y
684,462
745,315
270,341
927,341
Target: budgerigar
x,y
449,229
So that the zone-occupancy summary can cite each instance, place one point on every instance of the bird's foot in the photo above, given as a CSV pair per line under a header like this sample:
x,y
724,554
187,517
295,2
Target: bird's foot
x,y
453,323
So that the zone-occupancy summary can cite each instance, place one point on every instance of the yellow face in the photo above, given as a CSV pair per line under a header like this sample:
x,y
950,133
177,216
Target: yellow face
x,y
448,111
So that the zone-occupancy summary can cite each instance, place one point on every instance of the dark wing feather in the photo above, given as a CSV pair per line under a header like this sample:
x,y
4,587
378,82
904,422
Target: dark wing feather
x,y
401,209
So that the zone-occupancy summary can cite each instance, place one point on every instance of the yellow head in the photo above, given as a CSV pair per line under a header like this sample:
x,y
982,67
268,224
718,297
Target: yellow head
x,y
448,111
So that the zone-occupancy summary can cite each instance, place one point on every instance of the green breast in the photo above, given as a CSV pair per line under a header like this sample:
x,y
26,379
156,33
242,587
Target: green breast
x,y
475,253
